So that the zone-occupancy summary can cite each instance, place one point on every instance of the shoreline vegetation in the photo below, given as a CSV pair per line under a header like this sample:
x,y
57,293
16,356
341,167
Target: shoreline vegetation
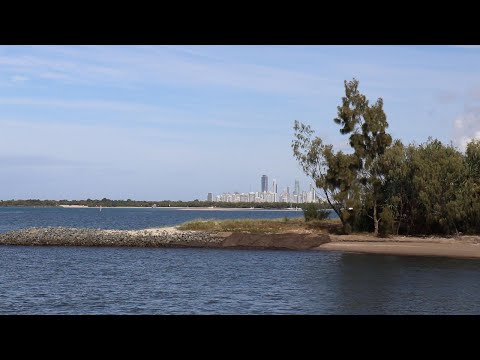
x,y
286,234
381,185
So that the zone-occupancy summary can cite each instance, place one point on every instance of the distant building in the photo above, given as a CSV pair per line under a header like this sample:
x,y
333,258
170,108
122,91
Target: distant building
x,y
264,183
296,196
297,191
274,190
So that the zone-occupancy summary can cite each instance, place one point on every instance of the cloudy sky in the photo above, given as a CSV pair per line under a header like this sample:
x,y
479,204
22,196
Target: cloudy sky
x,y
176,122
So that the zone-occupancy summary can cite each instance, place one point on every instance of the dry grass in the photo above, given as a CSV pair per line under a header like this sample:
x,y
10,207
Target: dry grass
x,y
260,226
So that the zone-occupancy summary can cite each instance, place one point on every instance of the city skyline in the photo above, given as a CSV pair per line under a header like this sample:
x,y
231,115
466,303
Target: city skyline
x,y
172,122
297,196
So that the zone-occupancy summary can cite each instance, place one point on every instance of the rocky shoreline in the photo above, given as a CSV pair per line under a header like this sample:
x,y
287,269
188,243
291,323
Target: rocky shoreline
x,y
463,247
161,237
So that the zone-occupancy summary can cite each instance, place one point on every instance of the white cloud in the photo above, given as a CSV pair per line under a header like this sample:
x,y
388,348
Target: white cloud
x,y
140,113
129,66
467,127
82,104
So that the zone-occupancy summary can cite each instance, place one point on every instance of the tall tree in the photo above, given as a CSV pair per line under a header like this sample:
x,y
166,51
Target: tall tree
x,y
348,179
367,126
333,172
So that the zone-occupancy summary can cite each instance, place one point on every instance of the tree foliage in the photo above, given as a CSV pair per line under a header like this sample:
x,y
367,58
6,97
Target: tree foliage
x,y
349,180
431,188
313,211
333,173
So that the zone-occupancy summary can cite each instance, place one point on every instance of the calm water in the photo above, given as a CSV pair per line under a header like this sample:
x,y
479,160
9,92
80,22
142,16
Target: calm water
x,y
125,219
64,280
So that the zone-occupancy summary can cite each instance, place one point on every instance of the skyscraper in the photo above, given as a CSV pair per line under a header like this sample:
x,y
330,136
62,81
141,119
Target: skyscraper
x,y
274,190
297,190
264,183
210,197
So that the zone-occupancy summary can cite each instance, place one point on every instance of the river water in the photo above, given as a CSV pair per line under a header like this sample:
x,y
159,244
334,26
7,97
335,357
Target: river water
x,y
82,280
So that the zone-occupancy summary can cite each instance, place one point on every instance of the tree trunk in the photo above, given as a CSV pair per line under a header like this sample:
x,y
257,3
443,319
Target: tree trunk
x,y
333,207
375,219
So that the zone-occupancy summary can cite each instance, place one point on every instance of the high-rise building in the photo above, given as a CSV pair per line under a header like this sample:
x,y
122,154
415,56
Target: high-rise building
x,y
313,194
274,190
264,183
210,197
297,190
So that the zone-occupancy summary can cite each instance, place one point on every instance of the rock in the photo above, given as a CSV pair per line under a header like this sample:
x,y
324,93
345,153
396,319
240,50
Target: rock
x,y
95,237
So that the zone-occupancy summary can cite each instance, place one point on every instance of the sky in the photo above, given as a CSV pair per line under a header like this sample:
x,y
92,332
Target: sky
x,y
177,122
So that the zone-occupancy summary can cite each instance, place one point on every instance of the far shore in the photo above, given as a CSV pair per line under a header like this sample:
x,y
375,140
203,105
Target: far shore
x,y
173,207
234,209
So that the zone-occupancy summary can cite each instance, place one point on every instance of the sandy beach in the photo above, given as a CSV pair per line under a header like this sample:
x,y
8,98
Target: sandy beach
x,y
455,247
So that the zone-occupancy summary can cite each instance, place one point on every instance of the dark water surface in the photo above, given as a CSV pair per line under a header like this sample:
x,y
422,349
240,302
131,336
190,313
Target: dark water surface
x,y
82,280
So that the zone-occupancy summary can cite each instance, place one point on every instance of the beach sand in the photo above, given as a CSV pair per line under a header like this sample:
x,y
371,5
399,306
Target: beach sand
x,y
456,247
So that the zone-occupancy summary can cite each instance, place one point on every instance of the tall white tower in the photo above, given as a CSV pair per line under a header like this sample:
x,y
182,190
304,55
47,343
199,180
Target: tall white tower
x,y
297,190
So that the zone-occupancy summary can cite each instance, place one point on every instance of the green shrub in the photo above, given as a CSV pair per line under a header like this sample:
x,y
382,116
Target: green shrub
x,y
313,212
387,220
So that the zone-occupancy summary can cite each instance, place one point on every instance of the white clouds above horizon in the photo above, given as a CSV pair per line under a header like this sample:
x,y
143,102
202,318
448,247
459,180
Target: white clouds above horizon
x,y
131,66
467,128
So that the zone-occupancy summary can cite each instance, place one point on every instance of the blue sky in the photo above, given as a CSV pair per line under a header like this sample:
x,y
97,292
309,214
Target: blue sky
x,y
176,122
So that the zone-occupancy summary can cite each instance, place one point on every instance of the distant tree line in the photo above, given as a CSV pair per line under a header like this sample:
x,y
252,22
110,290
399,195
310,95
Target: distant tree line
x,y
385,186
137,203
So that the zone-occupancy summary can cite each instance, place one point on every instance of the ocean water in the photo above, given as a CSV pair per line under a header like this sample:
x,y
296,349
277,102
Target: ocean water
x,y
83,280
15,218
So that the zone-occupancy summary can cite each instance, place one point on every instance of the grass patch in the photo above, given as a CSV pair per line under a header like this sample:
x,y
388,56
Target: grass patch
x,y
259,226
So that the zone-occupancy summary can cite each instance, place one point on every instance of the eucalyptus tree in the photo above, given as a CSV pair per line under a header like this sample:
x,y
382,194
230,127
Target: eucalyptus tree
x,y
333,172
355,177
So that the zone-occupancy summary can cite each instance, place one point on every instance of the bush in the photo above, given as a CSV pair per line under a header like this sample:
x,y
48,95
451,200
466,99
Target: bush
x,y
313,212
385,227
